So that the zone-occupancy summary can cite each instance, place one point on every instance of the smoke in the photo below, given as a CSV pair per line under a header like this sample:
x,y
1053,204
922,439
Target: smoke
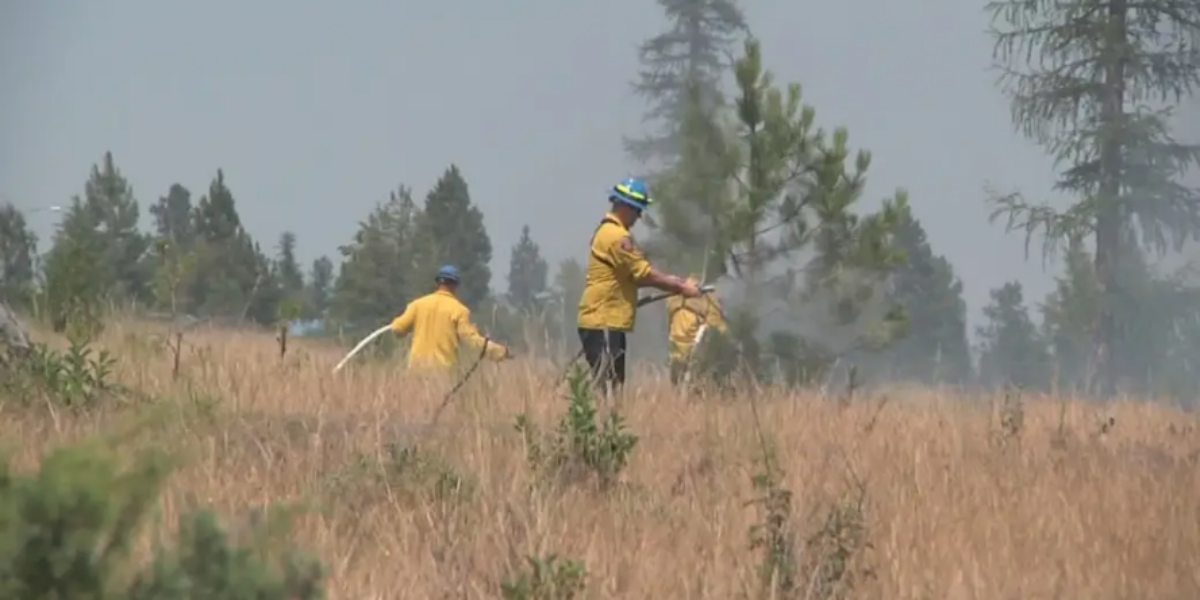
x,y
812,313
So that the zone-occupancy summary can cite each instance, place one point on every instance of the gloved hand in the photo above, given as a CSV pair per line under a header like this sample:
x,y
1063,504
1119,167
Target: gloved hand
x,y
687,289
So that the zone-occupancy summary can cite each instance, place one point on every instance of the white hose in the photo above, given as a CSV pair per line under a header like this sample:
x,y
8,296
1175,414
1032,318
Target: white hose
x,y
363,344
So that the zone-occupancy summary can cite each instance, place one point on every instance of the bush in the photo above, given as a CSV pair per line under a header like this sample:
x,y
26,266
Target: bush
x,y
69,531
583,444
77,377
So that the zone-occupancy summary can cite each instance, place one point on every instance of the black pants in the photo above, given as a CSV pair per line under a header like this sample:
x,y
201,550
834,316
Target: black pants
x,y
605,354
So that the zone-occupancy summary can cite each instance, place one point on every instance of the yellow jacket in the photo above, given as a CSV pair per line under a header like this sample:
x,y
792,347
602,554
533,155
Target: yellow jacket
x,y
438,322
684,318
614,268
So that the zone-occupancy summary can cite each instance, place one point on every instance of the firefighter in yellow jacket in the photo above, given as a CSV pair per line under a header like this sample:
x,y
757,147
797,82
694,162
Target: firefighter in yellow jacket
x,y
439,322
616,268
685,316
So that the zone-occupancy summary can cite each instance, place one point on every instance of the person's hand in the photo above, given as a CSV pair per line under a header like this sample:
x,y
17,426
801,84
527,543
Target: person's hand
x,y
687,289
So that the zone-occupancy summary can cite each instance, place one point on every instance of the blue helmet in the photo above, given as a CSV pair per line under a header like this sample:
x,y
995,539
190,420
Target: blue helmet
x,y
447,273
632,192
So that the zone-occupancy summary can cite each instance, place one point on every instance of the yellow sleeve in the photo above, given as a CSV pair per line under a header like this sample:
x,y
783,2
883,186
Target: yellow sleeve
x,y
468,333
403,323
630,259
673,305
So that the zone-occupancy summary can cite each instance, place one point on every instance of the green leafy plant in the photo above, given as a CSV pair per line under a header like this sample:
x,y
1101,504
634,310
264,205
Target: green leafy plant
x,y
78,377
772,533
583,444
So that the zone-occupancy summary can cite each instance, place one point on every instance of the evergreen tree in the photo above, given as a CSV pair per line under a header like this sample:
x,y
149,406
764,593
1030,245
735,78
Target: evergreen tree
x,y
232,276
320,288
98,253
1154,313
18,251
173,259
789,191
690,57
75,273
693,200
527,272
110,208
935,350
1069,318
173,217
681,72
457,235
1011,350
378,275
1164,337
291,278
1091,81
268,303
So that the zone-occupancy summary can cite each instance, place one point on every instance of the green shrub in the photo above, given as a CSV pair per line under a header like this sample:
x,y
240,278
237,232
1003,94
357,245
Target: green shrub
x,y
78,377
583,444
68,532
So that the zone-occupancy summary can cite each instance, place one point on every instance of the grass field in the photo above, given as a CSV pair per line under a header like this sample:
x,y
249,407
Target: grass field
x,y
912,495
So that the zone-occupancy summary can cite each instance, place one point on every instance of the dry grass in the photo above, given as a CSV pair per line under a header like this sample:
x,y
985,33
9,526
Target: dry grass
x,y
1065,508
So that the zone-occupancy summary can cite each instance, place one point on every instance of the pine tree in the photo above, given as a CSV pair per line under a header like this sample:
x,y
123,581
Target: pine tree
x,y
232,276
416,244
291,278
1011,350
527,272
173,259
695,198
98,255
786,190
173,217
320,288
76,276
1091,80
457,235
680,74
268,303
18,250
690,57
110,208
1069,317
378,275
935,350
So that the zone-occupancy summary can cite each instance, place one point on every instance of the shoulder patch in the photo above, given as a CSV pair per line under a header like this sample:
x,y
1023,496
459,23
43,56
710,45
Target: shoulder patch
x,y
627,244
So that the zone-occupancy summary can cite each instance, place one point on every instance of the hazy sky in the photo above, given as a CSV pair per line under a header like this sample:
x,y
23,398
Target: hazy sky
x,y
316,112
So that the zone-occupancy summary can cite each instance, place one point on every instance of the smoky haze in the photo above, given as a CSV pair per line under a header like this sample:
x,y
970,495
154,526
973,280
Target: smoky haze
x,y
316,110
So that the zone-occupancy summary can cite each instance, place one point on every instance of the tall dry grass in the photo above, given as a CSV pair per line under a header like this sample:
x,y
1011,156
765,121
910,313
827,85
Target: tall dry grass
x,y
962,498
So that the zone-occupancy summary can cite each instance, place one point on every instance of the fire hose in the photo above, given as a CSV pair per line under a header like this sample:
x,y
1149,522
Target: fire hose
x,y
704,289
449,395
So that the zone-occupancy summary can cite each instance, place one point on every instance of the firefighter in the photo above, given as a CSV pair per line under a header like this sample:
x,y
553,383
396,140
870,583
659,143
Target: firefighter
x,y
684,318
439,322
616,268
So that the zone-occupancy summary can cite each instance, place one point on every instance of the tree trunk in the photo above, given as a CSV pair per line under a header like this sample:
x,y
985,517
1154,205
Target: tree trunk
x,y
1109,213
